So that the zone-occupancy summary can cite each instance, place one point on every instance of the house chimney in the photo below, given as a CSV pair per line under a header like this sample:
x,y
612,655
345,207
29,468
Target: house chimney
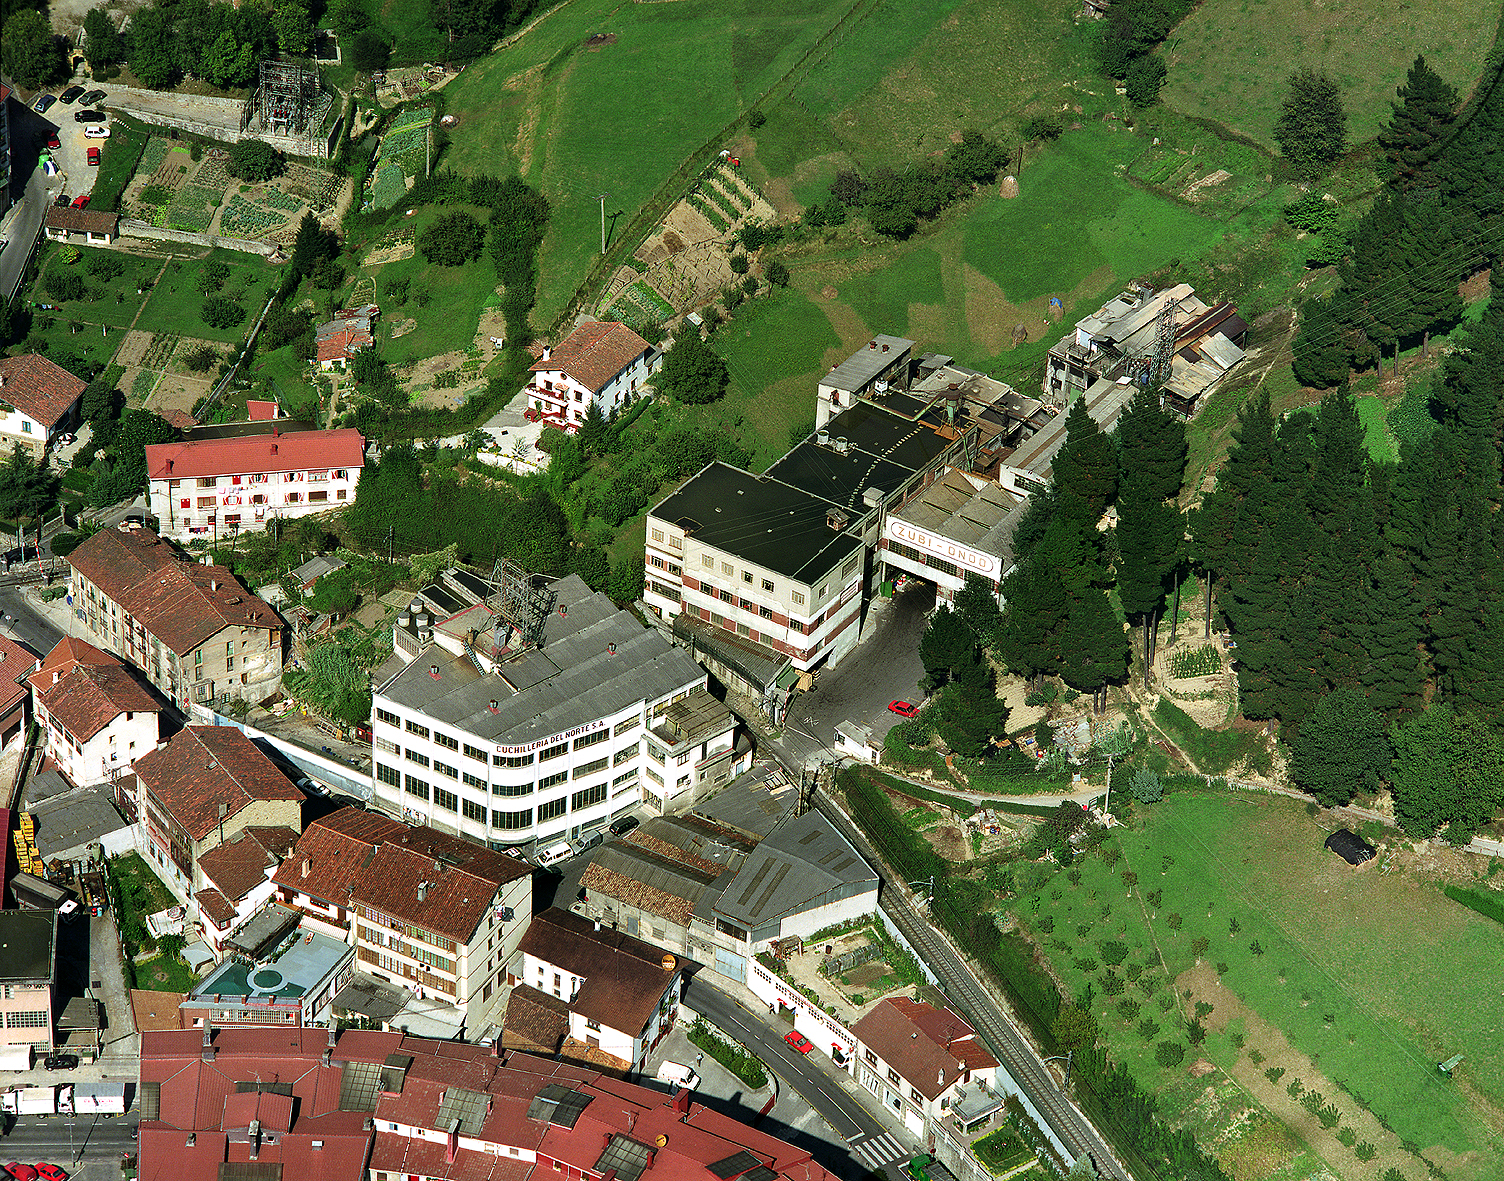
x,y
681,1100
274,449
940,1077
214,585
873,346
254,1132
54,676
169,467
433,671
422,891
305,868
885,348
208,1048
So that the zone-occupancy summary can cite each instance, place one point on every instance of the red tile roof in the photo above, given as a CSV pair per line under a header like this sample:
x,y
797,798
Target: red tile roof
x,y
239,865
624,978
179,602
343,343
38,388
260,410
594,353
83,221
180,418
86,689
16,661
202,767
944,1049
534,1021
364,858
214,904
252,454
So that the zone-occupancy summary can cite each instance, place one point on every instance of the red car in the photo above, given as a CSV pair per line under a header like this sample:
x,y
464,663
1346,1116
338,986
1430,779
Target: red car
x,y
94,157
50,1172
81,201
798,1041
22,1172
53,141
903,709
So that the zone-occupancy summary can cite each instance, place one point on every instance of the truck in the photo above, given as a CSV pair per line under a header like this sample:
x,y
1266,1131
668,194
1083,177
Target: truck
x,y
99,1098
53,1100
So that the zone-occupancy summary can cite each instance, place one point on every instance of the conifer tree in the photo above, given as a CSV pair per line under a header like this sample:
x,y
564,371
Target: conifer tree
x,y
1095,647
1417,130
1152,447
1395,673
1029,640
1086,467
1321,358
1341,749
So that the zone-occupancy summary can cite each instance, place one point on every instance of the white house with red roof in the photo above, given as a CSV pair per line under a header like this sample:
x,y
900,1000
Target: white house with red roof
x,y
16,662
214,486
96,717
602,363
38,399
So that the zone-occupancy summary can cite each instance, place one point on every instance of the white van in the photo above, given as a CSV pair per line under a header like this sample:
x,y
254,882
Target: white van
x,y
552,855
679,1075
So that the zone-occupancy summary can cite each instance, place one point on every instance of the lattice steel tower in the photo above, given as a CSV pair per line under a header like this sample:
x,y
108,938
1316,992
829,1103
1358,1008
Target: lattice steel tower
x,y
522,604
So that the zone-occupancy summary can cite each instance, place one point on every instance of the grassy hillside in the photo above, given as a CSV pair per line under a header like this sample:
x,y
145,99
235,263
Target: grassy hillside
x,y
1229,59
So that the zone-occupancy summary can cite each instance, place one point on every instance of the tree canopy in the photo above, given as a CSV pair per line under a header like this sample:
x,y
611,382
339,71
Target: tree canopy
x,y
1312,127
31,53
692,371
452,241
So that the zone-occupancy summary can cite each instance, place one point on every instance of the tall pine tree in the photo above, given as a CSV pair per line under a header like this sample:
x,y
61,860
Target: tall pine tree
x,y
1418,129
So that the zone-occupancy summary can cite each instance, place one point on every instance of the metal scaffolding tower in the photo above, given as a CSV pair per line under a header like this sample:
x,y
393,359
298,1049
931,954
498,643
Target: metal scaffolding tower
x,y
1164,344
521,603
285,102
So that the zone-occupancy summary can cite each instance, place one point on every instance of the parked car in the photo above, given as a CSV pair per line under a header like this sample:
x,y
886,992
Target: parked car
x,y
53,142
22,1172
40,106
798,1041
50,1172
63,199
312,787
903,708
588,841
94,157
554,854
81,201
67,97
92,97
97,131
620,828
88,117
60,1062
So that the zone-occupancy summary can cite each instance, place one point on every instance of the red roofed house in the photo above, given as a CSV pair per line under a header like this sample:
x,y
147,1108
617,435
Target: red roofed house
x,y
213,486
195,631
919,1060
622,994
238,879
16,661
206,785
38,399
604,363
284,1104
84,227
422,908
97,717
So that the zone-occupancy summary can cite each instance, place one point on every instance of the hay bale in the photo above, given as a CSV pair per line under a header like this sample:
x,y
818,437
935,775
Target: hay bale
x,y
1009,187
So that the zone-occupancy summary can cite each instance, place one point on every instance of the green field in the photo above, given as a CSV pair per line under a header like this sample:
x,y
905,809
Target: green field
x,y
176,304
115,302
1228,61
1349,968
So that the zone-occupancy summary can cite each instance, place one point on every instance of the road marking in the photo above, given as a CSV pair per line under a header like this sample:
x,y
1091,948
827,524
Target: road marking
x,y
878,1151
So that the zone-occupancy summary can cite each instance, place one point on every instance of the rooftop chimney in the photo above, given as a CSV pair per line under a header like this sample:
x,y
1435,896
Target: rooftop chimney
x,y
54,676
254,1131
208,1049
433,671
214,584
495,705
885,348
422,891
873,345
305,868
681,1100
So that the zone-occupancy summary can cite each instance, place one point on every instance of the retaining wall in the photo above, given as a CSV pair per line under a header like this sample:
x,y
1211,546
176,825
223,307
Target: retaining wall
x,y
140,229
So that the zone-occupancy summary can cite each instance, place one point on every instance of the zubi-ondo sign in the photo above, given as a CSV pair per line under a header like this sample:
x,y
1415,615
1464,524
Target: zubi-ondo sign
x,y
941,547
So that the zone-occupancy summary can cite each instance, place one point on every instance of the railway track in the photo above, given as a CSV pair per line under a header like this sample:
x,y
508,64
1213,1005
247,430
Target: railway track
x,y
978,1005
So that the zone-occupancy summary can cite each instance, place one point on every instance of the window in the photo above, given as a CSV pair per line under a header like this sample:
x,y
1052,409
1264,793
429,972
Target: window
x,y
626,754
725,595
206,481
657,752
588,798
629,724
549,781
446,769
387,716
388,775
512,760
892,1075
871,1057
318,494
767,585
851,564
592,738
591,768
765,612
206,502
475,752
624,777
445,740
523,819
915,1095
746,576
386,744
27,1020
743,630
414,756
657,534
552,809
717,620
414,728
671,593
798,598
446,799
416,787
707,561
511,789
473,780
746,604
474,811
553,752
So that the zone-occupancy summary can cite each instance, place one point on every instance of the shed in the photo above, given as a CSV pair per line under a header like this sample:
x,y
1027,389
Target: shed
x,y
1351,847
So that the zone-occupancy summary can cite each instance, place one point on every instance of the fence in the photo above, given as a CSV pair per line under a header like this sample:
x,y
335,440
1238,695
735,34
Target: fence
x,y
141,229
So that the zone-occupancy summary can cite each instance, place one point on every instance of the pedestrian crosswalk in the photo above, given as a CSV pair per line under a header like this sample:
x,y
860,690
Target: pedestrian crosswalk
x,y
877,1151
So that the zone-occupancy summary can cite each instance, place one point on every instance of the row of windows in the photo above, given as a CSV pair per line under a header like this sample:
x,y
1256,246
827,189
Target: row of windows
x,y
28,1020
509,761
418,788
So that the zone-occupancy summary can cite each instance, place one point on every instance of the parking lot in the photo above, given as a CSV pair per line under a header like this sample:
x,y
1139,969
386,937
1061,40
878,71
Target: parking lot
x,y
76,175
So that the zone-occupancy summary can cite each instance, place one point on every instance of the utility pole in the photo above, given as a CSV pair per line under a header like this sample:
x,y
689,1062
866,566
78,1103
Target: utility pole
x,y
390,533
602,199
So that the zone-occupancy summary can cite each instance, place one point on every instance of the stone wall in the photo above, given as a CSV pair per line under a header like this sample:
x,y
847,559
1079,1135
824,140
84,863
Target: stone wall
x,y
131,228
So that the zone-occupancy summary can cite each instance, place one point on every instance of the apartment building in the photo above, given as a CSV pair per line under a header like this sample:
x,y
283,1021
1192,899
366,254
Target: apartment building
x,y
511,741
602,364
422,908
28,971
201,788
194,630
96,716
211,484
620,994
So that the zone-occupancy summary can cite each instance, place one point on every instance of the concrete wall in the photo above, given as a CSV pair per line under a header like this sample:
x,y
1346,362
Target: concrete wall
x,y
130,228
340,776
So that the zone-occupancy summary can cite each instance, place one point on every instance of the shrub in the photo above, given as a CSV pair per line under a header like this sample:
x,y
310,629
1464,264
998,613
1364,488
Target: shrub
x,y
201,359
64,285
1203,1010
453,240
1114,953
738,264
1347,1136
756,119
776,274
1195,1032
1366,1152
1174,921
254,160
1169,1054
1148,1028
1199,946
1112,984
222,313
1274,1073
1128,1009
105,266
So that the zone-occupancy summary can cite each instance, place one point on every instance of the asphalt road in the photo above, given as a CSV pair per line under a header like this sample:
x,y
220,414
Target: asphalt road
x,y
977,1004
24,624
98,1141
867,1138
